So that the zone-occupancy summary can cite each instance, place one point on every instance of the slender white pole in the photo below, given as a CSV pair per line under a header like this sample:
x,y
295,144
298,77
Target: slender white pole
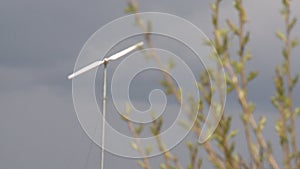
x,y
98,63
103,115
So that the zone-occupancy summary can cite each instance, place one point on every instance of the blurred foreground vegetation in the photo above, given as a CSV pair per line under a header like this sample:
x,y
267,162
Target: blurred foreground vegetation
x,y
220,149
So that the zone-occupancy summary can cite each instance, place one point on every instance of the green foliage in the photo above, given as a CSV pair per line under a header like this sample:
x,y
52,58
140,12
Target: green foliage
x,y
134,145
295,43
220,149
261,124
297,111
292,24
130,8
283,98
252,75
139,129
233,28
281,36
142,164
156,125
233,133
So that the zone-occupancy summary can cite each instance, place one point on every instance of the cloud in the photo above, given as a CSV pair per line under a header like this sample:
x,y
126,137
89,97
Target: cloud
x,y
39,43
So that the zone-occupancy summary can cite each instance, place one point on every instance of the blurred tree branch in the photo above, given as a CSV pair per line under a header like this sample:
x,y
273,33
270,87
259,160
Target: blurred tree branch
x,y
220,149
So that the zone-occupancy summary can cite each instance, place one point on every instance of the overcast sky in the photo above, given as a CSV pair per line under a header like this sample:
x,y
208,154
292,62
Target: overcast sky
x,y
39,44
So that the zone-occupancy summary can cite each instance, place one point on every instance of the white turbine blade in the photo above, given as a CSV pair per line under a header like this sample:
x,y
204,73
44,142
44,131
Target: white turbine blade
x,y
113,57
87,68
125,51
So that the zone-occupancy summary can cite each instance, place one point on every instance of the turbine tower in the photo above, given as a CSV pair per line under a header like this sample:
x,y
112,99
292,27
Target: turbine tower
x,y
105,62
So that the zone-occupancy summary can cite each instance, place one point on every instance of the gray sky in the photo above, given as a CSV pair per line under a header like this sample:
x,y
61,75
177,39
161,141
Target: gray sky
x,y
40,41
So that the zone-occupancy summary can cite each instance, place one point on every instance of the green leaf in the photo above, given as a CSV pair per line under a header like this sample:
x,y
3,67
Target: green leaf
x,y
229,88
251,107
278,127
163,166
130,9
214,20
148,150
223,31
292,24
248,56
294,43
219,138
208,42
281,36
297,111
233,133
236,5
232,27
252,75
295,80
213,6
243,14
189,145
199,163
244,117
134,145
139,129
141,164
231,148
261,123
246,38
171,64
167,86
153,130
128,108
124,116
184,124
238,66
285,3
285,54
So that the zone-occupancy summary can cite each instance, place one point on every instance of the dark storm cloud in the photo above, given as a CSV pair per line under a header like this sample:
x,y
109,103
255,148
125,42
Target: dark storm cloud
x,y
39,43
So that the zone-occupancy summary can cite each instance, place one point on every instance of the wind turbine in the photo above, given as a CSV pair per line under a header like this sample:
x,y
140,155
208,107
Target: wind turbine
x,y
105,61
